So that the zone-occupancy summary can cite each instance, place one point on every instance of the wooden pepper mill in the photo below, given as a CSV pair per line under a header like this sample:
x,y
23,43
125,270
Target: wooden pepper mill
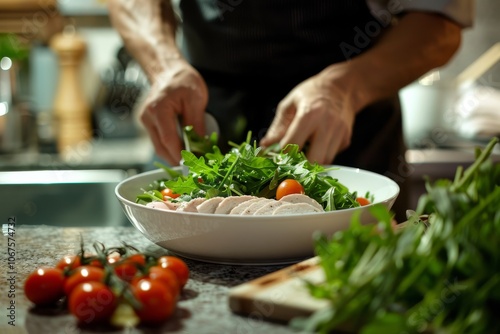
x,y
71,109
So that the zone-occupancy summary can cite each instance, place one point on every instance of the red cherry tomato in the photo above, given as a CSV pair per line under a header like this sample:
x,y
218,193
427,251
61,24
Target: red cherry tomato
x,y
167,192
178,266
288,187
166,276
83,274
44,286
126,268
362,201
92,302
157,302
69,261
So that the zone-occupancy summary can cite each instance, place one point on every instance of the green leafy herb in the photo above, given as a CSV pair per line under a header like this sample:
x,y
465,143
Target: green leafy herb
x,y
443,279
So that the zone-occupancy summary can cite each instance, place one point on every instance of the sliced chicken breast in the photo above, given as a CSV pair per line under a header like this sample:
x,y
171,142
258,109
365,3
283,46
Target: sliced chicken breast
x,y
209,205
191,206
295,209
250,210
169,206
230,203
238,209
268,208
300,198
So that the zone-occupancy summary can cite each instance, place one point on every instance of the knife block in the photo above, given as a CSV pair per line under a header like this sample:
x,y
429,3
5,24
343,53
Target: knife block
x,y
71,110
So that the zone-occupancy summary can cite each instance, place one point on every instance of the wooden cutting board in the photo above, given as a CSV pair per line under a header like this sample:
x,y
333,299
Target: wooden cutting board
x,y
281,295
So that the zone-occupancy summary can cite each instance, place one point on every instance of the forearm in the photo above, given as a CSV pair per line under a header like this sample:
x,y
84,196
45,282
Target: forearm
x,y
148,31
417,44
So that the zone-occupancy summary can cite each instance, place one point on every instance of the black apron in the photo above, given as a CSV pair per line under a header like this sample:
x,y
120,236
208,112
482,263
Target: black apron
x,y
251,53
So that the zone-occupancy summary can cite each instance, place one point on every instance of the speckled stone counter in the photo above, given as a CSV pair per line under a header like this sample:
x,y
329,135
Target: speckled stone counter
x,y
203,307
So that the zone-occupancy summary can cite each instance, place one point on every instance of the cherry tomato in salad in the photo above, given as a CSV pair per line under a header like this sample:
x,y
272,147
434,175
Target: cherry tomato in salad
x,y
362,201
83,274
157,302
69,261
288,187
167,192
178,266
44,286
126,268
92,302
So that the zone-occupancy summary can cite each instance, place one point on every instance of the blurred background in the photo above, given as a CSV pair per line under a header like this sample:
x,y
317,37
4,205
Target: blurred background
x,y
69,131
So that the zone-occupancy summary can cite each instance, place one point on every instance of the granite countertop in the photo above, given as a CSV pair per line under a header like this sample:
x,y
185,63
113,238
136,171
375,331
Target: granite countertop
x,y
203,307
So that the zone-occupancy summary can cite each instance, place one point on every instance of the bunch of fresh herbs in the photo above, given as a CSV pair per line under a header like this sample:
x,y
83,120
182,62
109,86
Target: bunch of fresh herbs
x,y
443,279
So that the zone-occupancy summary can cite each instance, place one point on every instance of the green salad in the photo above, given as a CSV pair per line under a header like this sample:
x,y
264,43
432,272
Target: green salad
x,y
248,169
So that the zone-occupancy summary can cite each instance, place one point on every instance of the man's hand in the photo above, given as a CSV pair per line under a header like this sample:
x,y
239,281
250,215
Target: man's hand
x,y
318,112
178,93
321,110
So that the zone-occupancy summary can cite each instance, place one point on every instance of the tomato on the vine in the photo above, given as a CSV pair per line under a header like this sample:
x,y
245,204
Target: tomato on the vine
x,y
288,187
113,258
165,276
83,274
44,286
178,266
157,302
167,192
126,268
92,302
69,261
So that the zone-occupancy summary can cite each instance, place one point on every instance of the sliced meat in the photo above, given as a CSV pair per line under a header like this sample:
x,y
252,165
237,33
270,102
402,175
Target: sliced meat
x,y
238,209
209,205
295,209
250,210
191,206
169,206
300,198
268,208
230,203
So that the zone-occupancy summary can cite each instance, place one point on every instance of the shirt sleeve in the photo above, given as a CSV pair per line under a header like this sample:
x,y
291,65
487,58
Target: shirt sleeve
x,y
460,11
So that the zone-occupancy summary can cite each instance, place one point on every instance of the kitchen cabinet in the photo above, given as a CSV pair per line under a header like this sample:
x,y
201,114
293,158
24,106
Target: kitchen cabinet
x,y
203,307
30,19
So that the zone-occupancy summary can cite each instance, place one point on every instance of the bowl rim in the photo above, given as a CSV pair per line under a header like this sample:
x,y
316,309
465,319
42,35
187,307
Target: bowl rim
x,y
122,199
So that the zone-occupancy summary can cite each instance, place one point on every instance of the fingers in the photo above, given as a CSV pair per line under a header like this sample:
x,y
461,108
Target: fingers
x,y
162,128
324,145
320,123
285,114
193,113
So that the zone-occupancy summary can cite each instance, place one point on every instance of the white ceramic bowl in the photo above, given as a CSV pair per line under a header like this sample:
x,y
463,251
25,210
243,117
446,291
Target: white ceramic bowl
x,y
247,239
